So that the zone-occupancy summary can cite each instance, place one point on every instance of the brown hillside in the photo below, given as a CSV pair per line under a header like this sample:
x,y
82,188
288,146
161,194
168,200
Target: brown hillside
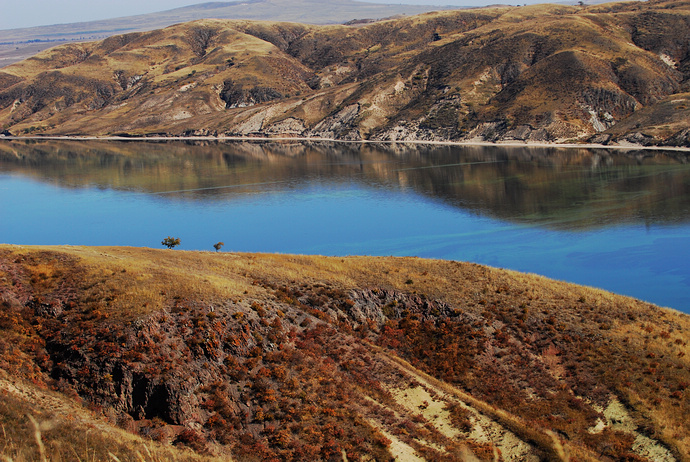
x,y
279,357
18,44
537,73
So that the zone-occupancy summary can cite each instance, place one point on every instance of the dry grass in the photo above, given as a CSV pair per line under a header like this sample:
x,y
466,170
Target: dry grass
x,y
37,424
544,66
536,356
151,276
544,439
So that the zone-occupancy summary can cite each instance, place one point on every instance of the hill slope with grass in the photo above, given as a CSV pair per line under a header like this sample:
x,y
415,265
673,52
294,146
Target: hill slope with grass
x,y
614,73
279,357
18,44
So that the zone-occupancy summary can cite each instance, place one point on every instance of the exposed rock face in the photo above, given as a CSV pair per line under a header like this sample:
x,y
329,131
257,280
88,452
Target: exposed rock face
x,y
289,126
340,126
379,305
235,95
538,73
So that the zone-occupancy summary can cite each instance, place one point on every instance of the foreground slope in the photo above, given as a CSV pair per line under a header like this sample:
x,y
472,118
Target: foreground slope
x,y
284,357
535,73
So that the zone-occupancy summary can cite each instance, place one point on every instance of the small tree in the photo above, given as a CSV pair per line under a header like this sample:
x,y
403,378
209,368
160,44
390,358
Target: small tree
x,y
171,242
218,245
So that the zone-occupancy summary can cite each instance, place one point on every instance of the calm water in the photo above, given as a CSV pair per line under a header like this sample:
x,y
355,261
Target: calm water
x,y
619,221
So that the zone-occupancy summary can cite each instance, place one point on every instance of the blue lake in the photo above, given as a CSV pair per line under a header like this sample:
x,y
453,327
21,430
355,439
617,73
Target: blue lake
x,y
614,220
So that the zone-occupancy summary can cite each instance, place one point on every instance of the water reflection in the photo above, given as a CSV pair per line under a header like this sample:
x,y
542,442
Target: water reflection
x,y
566,189
619,221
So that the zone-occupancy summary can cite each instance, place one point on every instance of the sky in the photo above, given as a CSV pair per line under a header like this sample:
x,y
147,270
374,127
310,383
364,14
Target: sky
x,y
16,14
28,13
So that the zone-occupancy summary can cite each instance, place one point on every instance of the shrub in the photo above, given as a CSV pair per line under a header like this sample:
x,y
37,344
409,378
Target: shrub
x,y
171,242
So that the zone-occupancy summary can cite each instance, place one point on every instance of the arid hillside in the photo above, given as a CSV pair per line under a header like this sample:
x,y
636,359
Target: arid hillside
x,y
280,357
18,44
614,73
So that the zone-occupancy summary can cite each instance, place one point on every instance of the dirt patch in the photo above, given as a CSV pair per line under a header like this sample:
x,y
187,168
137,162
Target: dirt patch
x,y
431,403
618,418
401,451
417,399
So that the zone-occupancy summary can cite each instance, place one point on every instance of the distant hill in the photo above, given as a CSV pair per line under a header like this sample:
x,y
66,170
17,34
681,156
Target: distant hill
x,y
17,44
613,73
279,357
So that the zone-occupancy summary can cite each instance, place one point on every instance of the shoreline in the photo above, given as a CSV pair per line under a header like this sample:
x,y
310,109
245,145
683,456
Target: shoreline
x,y
511,144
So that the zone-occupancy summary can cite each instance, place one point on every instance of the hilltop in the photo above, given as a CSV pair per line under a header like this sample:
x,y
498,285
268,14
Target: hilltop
x,y
614,73
21,43
283,357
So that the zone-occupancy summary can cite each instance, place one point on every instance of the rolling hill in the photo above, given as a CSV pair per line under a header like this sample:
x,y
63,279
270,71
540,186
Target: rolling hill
x,y
17,44
614,73
281,357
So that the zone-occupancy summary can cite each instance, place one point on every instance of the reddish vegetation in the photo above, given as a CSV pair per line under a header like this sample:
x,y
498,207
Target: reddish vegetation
x,y
289,371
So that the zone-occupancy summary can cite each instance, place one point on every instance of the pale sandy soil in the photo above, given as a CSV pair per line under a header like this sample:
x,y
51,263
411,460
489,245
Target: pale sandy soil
x,y
618,418
484,429
419,400
401,451
279,138
425,398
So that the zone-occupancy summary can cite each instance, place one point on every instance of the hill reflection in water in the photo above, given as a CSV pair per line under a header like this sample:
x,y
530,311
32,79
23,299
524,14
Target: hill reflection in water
x,y
568,189
615,220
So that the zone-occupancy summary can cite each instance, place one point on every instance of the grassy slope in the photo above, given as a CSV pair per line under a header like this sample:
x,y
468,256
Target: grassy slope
x,y
251,353
19,43
537,72
38,423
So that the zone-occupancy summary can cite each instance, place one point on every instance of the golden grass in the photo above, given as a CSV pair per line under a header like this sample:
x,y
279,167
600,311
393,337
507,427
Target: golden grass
x,y
179,92
38,424
215,275
631,342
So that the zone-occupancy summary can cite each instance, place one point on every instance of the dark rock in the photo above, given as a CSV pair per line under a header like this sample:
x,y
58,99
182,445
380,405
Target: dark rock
x,y
540,135
235,95
681,138
521,133
640,138
600,138
48,310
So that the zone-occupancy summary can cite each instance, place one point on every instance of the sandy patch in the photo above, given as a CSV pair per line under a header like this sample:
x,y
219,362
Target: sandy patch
x,y
418,400
618,418
484,429
401,451
668,60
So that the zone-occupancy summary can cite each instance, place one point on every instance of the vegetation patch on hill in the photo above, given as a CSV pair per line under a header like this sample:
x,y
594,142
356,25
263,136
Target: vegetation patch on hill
x,y
282,357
